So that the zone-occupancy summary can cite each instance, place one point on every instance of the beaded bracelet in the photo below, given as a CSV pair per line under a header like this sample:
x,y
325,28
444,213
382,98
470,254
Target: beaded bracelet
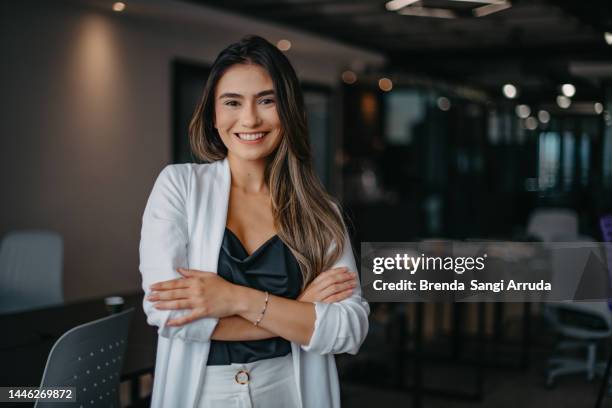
x,y
263,311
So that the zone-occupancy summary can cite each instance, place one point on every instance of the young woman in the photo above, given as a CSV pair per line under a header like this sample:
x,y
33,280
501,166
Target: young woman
x,y
246,264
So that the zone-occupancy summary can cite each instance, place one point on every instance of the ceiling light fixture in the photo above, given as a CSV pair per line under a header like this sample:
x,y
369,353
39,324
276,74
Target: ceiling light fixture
x,y
395,5
427,12
416,8
608,38
598,107
491,8
483,1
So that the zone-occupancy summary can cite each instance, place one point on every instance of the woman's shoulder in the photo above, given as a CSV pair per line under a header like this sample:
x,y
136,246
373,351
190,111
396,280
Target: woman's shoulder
x,y
176,182
182,173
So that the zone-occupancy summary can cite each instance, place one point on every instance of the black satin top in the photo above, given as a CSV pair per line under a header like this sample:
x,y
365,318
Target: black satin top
x,y
273,268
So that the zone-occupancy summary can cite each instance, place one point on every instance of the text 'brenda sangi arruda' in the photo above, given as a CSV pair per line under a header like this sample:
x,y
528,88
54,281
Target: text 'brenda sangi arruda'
x,y
471,271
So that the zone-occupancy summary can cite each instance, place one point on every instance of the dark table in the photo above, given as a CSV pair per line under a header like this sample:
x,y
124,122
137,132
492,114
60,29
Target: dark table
x,y
27,338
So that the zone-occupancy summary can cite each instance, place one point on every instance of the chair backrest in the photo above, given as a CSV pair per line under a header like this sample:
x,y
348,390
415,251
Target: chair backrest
x,y
568,260
89,357
569,264
547,224
30,270
605,223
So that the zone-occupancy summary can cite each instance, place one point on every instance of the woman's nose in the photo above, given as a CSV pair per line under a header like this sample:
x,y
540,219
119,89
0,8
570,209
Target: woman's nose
x,y
250,116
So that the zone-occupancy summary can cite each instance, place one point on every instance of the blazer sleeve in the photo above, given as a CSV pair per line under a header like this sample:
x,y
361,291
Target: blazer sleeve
x,y
163,249
341,327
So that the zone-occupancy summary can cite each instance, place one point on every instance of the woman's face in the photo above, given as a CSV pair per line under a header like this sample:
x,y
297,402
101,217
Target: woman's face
x,y
245,112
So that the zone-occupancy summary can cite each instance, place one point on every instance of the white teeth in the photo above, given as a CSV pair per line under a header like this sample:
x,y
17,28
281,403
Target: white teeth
x,y
250,136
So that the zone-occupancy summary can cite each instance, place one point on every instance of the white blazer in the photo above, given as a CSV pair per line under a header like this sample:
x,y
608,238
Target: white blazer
x,y
183,226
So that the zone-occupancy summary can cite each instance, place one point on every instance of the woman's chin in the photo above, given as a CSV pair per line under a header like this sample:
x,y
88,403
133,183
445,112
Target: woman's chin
x,y
250,154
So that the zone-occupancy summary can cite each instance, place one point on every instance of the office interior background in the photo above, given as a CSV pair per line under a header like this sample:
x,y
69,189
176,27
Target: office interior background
x,y
445,119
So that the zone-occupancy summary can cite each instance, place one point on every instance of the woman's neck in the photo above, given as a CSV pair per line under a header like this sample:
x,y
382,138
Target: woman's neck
x,y
248,176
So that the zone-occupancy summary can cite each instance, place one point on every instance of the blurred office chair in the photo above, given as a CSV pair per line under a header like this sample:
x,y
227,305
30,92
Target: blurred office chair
x,y
89,357
31,264
605,223
606,227
546,224
581,324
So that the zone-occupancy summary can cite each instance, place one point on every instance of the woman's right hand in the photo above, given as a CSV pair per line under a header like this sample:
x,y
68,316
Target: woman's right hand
x,y
330,286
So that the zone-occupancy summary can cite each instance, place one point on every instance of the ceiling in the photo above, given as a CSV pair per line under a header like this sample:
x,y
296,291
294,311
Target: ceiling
x,y
536,44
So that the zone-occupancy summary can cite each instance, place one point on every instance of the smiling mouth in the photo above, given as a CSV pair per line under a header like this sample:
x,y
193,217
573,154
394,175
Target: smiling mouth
x,y
251,137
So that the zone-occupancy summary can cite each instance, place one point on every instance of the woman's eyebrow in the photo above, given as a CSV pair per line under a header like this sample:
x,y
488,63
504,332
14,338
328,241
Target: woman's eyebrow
x,y
236,95
266,92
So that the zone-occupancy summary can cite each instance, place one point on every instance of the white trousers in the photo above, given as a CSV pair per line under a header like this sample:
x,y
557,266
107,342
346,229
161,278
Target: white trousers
x,y
262,384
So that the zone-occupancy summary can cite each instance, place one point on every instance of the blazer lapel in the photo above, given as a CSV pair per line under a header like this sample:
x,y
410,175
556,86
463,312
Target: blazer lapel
x,y
211,226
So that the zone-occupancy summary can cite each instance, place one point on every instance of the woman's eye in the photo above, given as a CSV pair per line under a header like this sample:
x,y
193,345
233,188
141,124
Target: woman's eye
x,y
267,101
231,103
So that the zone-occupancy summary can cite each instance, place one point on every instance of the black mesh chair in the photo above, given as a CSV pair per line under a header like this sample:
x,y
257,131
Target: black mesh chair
x,y
89,357
605,223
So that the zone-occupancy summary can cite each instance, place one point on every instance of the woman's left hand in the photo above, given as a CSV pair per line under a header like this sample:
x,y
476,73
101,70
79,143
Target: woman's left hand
x,y
205,293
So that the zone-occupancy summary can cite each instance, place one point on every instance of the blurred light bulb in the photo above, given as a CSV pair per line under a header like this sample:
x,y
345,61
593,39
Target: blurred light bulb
x,y
522,111
510,91
543,116
444,103
385,84
283,45
568,90
563,101
608,38
531,123
349,77
598,107
118,6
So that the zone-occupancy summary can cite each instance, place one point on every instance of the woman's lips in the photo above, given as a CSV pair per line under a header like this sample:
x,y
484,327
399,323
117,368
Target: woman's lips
x,y
251,137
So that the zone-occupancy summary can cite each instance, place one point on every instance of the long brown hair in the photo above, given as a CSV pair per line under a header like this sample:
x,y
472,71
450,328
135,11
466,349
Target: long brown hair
x,y
303,211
